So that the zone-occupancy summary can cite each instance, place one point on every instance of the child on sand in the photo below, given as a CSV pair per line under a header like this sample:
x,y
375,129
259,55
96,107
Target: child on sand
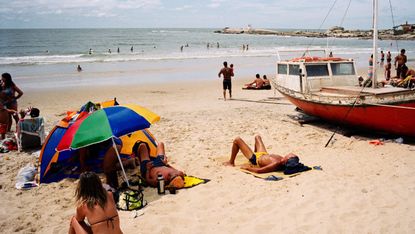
x,y
5,119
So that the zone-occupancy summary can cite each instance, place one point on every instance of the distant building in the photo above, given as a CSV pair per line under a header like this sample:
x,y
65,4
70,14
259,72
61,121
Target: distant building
x,y
404,28
335,29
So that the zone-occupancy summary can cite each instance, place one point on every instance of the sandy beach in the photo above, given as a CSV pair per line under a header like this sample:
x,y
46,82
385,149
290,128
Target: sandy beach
x,y
362,188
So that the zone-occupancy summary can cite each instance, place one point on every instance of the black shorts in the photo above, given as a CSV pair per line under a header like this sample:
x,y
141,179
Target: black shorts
x,y
227,84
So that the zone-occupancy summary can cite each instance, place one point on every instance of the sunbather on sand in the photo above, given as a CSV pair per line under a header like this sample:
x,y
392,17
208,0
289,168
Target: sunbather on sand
x,y
267,84
260,158
256,84
97,205
151,167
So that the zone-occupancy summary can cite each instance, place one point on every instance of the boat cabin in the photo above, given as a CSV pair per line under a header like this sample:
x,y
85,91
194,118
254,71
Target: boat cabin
x,y
311,74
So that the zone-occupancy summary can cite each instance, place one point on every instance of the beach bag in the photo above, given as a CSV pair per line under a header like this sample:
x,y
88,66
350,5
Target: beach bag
x,y
25,178
130,199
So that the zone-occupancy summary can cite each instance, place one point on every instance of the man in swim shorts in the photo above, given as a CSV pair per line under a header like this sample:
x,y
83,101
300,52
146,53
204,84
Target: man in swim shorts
x,y
261,160
151,167
227,82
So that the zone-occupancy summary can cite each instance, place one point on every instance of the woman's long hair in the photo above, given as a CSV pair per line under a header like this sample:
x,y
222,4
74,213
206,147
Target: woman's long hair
x,y
90,190
8,82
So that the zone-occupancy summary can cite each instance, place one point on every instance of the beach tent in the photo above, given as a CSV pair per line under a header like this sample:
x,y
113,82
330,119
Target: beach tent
x,y
145,135
52,164
55,165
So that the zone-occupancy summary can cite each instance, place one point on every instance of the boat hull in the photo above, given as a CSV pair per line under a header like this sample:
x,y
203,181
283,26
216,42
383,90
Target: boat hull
x,y
395,118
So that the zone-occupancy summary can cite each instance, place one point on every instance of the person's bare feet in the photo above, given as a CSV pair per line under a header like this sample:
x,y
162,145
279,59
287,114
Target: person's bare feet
x,y
227,163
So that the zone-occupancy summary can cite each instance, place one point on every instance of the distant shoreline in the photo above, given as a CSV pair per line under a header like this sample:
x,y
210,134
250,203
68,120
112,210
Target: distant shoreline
x,y
336,32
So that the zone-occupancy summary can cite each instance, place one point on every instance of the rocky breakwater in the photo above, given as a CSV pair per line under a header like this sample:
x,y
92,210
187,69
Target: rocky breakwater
x,y
339,32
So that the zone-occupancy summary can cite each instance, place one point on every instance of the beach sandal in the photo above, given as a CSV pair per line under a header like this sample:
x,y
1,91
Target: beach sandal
x,y
273,178
319,168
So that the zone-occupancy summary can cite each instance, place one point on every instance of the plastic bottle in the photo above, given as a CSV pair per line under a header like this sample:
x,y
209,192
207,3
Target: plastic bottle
x,y
160,184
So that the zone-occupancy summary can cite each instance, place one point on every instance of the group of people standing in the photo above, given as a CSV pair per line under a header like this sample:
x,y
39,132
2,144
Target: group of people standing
x,y
91,51
399,63
402,71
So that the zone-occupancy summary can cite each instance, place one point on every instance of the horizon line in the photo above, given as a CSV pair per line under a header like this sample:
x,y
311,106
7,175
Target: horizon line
x,y
184,28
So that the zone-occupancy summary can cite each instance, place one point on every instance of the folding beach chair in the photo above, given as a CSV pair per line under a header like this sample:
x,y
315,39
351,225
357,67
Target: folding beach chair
x,y
30,133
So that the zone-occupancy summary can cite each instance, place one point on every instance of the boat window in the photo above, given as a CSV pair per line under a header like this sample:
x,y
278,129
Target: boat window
x,y
340,69
294,69
317,70
282,69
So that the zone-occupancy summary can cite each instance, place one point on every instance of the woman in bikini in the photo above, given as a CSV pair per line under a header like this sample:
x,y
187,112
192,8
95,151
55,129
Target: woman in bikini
x,y
260,159
8,95
150,168
97,205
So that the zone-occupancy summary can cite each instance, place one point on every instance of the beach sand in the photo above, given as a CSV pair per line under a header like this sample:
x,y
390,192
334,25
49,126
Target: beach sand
x,y
362,188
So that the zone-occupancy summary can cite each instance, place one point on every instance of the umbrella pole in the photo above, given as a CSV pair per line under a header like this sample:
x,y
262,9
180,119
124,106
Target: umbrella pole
x,y
119,160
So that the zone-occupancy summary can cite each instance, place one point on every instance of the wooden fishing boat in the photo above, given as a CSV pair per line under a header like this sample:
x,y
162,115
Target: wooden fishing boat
x,y
328,87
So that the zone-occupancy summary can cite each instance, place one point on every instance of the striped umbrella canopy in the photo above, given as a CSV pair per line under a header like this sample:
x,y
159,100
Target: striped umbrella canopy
x,y
101,125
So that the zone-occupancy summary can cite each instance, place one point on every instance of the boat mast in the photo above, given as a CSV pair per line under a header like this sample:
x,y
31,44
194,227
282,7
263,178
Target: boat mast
x,y
375,42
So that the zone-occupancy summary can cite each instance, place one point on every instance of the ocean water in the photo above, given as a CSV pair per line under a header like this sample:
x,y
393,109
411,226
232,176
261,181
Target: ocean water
x,y
51,55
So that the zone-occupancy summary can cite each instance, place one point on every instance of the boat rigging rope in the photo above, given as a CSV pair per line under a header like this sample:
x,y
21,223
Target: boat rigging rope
x,y
342,21
354,103
393,24
345,116
319,28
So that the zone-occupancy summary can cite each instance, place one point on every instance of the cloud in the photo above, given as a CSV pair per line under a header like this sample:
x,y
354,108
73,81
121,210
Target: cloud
x,y
43,7
185,7
207,13
215,3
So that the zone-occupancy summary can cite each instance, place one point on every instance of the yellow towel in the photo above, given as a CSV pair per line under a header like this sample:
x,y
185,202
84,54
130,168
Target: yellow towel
x,y
191,181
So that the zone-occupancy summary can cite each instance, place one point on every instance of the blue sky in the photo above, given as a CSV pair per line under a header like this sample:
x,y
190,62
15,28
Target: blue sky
x,y
307,14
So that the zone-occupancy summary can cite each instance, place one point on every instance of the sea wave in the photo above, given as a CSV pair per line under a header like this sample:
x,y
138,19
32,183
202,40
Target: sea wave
x,y
191,54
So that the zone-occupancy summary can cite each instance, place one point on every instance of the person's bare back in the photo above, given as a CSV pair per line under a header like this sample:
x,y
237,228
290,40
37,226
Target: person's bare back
x,y
103,220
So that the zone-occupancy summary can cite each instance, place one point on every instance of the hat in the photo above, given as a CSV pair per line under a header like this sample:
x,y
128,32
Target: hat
x,y
177,182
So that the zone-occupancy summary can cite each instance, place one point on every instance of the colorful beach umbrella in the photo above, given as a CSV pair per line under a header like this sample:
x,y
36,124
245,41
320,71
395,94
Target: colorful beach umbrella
x,y
114,121
107,123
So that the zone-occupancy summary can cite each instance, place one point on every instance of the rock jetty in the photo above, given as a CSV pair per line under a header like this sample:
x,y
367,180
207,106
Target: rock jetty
x,y
340,32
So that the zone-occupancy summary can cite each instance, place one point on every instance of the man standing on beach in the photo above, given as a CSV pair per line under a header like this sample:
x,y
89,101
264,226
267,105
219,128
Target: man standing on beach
x,y
227,83
400,66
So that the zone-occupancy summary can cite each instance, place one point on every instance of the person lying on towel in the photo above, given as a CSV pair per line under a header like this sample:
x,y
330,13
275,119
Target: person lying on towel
x,y
151,167
260,158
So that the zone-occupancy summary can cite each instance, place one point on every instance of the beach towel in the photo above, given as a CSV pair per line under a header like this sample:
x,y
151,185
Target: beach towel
x,y
191,181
